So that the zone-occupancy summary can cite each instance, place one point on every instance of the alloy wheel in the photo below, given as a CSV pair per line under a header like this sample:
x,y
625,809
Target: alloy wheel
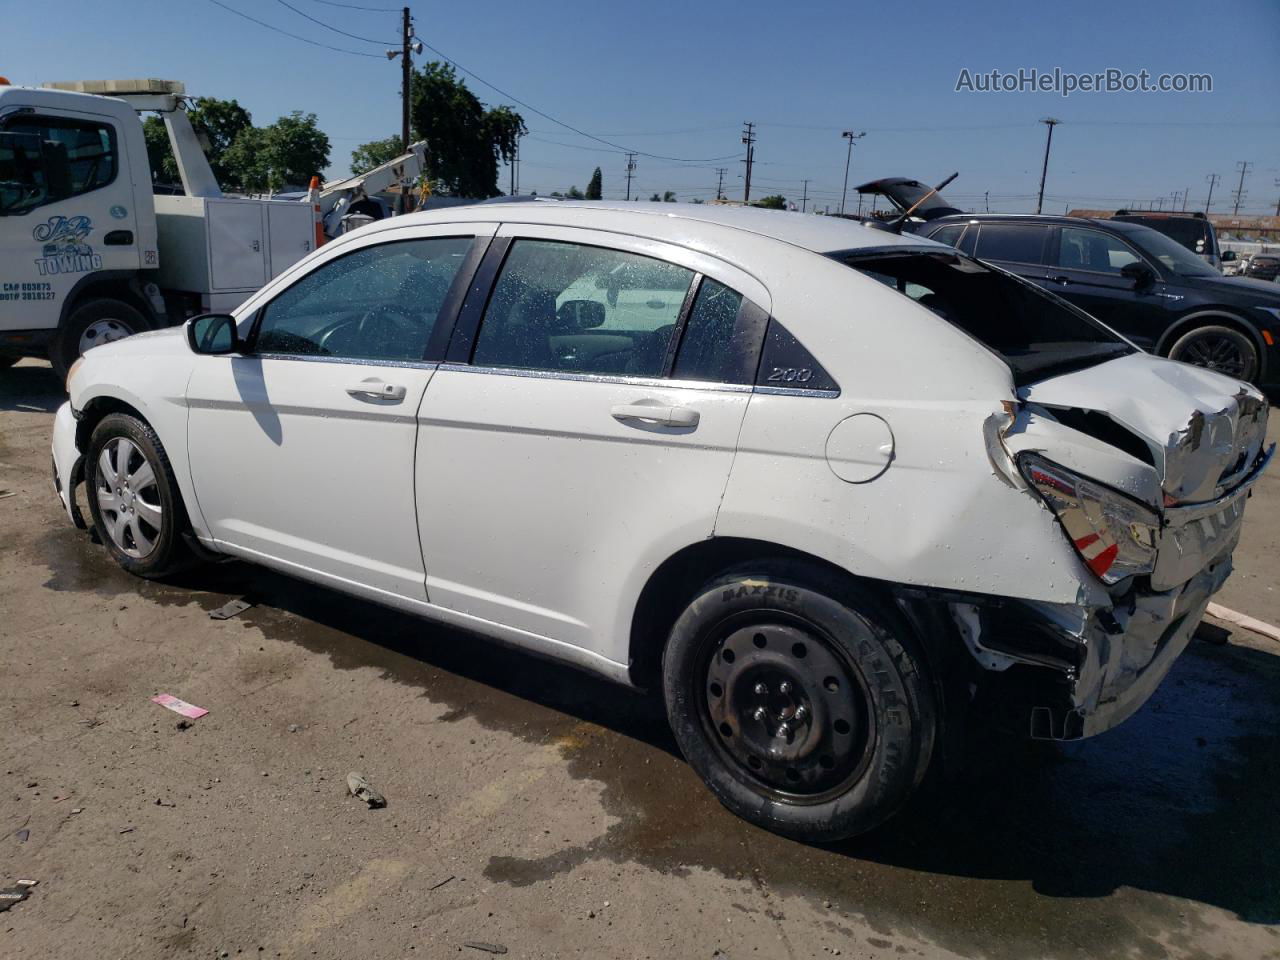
x,y
787,709
1217,352
128,496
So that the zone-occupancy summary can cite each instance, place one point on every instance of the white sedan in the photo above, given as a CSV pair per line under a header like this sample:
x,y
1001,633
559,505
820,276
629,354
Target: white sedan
x,y
830,489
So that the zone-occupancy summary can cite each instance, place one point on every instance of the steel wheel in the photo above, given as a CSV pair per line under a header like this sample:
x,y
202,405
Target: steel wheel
x,y
788,710
1220,349
103,331
128,498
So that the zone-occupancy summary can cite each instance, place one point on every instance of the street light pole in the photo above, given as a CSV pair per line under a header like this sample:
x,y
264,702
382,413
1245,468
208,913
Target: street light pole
x,y
850,136
1049,122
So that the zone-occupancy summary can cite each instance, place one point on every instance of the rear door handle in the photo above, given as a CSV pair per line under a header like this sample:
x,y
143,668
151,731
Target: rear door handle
x,y
375,391
654,413
1059,279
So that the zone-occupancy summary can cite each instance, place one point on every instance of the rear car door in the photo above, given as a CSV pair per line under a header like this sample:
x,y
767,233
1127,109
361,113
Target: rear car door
x,y
302,448
1016,247
1085,268
560,459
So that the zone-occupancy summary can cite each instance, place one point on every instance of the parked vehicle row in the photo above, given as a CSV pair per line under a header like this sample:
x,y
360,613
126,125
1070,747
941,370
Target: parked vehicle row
x,y
833,491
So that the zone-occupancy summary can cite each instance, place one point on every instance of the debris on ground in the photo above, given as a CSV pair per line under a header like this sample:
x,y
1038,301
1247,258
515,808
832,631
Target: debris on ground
x,y
294,728
486,947
5,494
188,710
362,789
164,803
1211,633
19,892
231,609
183,724
127,830
23,835
437,886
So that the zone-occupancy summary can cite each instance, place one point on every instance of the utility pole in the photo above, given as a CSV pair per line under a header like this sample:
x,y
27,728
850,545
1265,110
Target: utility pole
x,y
804,201
749,138
1184,199
986,200
1159,203
1173,204
1212,182
631,172
1049,122
515,163
1277,183
406,74
848,155
720,172
1240,193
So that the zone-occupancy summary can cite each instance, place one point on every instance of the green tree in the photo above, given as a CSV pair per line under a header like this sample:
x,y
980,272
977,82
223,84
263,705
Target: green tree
x,y
575,194
596,186
774,202
669,196
374,154
287,153
216,122
465,141
655,199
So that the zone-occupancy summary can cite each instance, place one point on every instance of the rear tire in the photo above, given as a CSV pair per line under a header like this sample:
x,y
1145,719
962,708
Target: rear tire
x,y
134,499
98,321
801,700
1222,349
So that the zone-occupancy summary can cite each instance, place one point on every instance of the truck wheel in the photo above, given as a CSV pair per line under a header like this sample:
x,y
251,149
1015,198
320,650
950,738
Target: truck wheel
x,y
800,700
133,498
1221,349
94,323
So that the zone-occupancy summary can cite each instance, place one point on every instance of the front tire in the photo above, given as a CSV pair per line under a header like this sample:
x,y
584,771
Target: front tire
x,y
133,497
1224,350
801,700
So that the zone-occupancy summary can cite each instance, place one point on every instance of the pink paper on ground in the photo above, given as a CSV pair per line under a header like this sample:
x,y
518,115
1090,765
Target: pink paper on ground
x,y
188,710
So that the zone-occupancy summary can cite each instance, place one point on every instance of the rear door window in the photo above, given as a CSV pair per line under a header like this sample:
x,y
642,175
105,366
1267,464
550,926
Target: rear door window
x,y
575,308
722,336
1011,242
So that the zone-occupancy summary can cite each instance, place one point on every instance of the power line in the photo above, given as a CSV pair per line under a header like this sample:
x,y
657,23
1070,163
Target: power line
x,y
546,116
356,6
314,43
381,43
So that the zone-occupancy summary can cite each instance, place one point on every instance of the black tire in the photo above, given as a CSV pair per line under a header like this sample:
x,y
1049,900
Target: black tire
x,y
866,736
115,315
1222,349
167,551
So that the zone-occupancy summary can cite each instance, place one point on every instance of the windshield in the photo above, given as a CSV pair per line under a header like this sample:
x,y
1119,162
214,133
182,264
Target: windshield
x,y
1035,333
1171,254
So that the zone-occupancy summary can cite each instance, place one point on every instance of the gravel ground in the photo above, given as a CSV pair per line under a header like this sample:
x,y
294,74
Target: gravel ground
x,y
538,810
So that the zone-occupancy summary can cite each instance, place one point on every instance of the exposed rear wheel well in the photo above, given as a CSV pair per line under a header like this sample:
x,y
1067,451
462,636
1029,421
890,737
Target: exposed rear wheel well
x,y
678,579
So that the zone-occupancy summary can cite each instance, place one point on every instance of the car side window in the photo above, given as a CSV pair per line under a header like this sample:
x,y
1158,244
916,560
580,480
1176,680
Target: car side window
x,y
1011,242
722,337
377,303
76,157
575,308
1081,249
948,234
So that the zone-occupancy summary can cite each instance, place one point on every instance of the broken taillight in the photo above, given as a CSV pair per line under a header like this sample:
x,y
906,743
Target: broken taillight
x,y
1114,535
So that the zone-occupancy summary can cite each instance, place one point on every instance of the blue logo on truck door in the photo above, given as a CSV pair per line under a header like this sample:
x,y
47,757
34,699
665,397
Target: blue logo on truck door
x,y
64,249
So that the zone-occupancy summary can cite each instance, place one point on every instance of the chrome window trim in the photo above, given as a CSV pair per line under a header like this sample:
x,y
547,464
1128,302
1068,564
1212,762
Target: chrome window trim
x,y
796,392
655,382
358,361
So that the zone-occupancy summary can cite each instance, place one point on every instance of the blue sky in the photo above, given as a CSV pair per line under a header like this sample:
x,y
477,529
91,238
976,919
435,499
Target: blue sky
x,y
678,79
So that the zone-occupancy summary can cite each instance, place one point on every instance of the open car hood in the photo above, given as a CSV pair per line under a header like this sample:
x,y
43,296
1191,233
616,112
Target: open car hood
x,y
1200,431
902,193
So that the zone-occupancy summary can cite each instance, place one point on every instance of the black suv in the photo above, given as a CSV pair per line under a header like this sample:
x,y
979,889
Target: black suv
x,y
1138,281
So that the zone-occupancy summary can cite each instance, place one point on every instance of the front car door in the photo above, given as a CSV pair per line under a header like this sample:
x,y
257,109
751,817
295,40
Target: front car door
x,y
302,448
1084,266
568,447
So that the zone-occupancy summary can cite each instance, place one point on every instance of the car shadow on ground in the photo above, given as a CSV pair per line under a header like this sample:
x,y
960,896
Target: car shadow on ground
x,y
31,387
1179,800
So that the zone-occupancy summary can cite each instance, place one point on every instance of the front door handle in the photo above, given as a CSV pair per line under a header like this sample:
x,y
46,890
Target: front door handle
x,y
654,413
1059,278
375,391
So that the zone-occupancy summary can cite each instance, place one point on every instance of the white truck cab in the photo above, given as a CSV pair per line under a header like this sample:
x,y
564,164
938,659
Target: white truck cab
x,y
88,254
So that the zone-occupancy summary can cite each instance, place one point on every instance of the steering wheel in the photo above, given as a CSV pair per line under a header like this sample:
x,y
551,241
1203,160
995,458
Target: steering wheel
x,y
387,322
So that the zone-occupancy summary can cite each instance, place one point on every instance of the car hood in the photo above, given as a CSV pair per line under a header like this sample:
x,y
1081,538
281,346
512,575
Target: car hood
x,y
1267,290
167,340
1163,431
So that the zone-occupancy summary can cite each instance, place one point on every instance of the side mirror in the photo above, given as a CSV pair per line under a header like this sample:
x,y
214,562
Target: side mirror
x,y
1228,256
580,314
1139,273
213,334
